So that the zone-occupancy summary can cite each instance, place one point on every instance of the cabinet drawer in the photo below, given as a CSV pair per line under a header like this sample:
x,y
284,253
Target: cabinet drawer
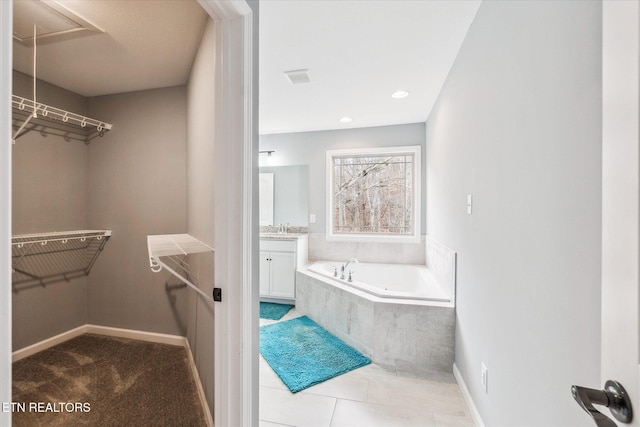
x,y
278,245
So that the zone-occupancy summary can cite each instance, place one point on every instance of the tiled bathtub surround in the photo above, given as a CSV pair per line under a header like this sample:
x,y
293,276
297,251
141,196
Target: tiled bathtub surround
x,y
387,253
441,262
407,337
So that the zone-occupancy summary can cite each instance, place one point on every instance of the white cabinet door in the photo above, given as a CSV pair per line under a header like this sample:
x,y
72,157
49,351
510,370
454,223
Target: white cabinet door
x,y
265,275
283,268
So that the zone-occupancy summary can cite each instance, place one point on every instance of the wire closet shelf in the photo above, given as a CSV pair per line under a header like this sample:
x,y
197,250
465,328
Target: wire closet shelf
x,y
169,251
30,116
45,258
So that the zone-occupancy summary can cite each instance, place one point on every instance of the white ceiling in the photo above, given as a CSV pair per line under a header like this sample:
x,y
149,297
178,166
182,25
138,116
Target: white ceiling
x,y
358,52
146,44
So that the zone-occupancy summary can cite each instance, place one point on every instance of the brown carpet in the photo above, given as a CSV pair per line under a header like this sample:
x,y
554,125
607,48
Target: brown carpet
x,y
122,382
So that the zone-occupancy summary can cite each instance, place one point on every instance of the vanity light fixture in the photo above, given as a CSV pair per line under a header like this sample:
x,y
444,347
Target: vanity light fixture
x,y
399,94
346,120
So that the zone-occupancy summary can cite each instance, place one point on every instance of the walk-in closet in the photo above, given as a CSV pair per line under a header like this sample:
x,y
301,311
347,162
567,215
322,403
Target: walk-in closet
x,y
113,213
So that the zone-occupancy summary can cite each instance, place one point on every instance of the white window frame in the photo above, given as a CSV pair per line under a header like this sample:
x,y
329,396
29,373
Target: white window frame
x,y
417,200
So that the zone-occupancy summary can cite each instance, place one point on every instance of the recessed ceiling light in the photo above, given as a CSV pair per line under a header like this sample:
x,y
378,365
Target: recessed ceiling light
x,y
345,120
399,94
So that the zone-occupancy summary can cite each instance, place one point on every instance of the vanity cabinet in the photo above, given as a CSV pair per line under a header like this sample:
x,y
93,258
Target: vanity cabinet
x,y
279,259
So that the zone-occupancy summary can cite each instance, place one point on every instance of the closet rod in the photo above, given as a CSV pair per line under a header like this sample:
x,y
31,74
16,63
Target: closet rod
x,y
159,263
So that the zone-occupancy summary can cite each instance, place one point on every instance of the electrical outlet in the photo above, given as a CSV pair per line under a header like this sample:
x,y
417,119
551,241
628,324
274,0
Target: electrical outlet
x,y
484,377
312,218
469,204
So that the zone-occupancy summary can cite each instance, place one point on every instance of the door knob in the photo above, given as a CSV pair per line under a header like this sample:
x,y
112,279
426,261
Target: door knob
x,y
614,396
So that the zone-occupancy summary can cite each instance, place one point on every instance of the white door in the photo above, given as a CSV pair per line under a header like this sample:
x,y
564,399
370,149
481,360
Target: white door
x,y
620,202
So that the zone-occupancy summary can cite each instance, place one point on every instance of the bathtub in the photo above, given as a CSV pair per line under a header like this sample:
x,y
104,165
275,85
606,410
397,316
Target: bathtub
x,y
394,281
401,316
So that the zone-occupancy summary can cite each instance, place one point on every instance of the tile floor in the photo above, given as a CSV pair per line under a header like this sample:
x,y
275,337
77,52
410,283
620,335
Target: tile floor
x,y
370,396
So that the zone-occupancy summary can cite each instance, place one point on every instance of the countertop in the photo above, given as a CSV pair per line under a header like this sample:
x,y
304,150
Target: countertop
x,y
281,236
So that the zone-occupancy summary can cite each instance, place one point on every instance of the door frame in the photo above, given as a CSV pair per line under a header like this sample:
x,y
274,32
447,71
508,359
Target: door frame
x,y
235,341
620,329
236,317
6,60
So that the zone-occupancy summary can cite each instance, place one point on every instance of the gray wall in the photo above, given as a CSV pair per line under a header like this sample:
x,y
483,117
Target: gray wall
x,y
49,193
518,126
137,186
309,148
200,190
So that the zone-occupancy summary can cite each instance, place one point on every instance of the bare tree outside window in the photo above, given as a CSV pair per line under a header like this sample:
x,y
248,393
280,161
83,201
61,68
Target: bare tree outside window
x,y
373,193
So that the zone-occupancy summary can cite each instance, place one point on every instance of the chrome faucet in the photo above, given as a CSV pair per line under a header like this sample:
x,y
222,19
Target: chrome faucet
x,y
344,267
283,229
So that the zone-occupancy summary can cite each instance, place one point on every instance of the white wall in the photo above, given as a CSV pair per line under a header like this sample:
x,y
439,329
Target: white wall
x,y
518,126
200,201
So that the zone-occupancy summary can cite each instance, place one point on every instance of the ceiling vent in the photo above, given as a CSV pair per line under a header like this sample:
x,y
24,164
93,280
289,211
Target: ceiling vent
x,y
297,77
53,21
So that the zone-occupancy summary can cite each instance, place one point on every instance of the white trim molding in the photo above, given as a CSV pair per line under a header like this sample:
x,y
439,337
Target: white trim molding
x,y
236,317
6,59
47,343
414,237
98,330
467,397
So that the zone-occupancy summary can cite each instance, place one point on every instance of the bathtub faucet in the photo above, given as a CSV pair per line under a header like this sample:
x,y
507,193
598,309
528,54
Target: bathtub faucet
x,y
344,267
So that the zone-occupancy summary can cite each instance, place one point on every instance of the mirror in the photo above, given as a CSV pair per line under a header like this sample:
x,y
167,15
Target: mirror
x,y
288,191
266,198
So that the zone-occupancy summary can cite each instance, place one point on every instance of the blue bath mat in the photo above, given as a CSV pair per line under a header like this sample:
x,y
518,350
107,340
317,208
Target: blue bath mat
x,y
303,354
273,311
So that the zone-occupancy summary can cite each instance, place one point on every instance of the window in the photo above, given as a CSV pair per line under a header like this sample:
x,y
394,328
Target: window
x,y
374,194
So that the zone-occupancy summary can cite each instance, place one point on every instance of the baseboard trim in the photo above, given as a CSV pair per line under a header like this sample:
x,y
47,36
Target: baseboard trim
x,y
136,335
203,397
121,333
48,343
467,397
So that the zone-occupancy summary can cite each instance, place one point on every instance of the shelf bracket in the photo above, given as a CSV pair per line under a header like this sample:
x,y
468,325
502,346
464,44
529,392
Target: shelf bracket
x,y
171,246
17,134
